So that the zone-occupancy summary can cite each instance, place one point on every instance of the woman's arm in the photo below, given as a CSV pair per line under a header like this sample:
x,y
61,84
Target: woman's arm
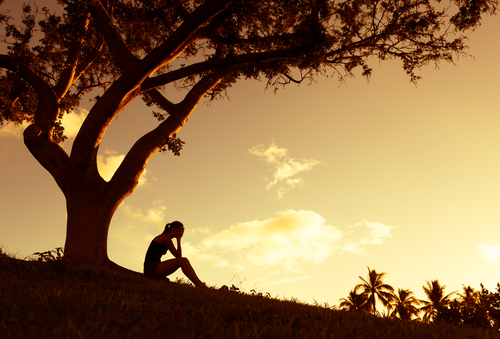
x,y
176,252
179,235
179,248
170,246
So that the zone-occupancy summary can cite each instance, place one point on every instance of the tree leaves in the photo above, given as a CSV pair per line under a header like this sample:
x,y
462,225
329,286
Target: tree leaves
x,y
470,12
173,144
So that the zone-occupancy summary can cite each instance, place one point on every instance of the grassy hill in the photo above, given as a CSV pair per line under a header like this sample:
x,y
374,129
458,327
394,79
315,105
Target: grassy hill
x,y
59,300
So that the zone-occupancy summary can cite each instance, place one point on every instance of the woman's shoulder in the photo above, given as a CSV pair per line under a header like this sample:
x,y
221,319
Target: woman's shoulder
x,y
162,239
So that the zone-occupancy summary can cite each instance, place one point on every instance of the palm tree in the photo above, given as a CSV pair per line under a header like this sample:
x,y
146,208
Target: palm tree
x,y
475,307
355,301
374,288
405,305
436,300
470,297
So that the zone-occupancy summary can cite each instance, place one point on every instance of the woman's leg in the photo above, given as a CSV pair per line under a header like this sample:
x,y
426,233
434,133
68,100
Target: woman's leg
x,y
168,267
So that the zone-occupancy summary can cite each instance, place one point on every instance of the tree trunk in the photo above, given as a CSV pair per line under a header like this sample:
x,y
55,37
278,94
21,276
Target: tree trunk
x,y
89,216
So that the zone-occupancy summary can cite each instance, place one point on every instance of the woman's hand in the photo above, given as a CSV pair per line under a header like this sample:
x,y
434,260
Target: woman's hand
x,y
178,233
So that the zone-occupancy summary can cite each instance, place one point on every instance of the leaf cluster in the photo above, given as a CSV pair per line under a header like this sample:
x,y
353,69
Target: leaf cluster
x,y
173,144
50,255
471,11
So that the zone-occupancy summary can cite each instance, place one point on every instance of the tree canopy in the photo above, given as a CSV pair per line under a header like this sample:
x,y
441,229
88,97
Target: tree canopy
x,y
93,43
118,50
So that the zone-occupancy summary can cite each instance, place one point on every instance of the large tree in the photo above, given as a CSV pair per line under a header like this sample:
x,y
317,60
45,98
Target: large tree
x,y
124,49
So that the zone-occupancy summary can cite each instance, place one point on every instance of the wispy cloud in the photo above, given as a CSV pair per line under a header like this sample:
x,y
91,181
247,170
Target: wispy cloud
x,y
285,167
13,131
154,215
108,163
490,251
73,121
377,233
290,238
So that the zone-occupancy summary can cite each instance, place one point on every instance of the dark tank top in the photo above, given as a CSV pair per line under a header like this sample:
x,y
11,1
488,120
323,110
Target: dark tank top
x,y
155,251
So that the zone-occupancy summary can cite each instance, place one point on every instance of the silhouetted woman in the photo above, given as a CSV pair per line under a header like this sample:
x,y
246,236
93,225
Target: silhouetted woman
x,y
155,268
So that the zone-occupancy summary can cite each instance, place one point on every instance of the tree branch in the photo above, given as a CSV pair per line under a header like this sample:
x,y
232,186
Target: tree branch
x,y
127,87
67,76
159,99
215,64
50,155
86,144
89,60
127,175
38,137
178,41
47,109
290,79
122,55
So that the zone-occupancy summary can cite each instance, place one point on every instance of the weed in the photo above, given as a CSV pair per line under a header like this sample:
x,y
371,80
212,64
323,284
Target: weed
x,y
52,255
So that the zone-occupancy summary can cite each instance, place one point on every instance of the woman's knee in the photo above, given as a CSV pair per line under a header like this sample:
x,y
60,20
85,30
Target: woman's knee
x,y
180,260
184,261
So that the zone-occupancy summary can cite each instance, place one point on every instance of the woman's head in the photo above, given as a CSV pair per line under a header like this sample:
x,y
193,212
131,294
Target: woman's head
x,y
173,225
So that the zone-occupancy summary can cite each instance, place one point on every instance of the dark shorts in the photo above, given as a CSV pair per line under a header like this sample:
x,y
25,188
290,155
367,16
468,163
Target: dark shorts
x,y
150,269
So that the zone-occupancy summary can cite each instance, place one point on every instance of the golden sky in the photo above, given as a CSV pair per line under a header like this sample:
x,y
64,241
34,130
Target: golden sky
x,y
296,193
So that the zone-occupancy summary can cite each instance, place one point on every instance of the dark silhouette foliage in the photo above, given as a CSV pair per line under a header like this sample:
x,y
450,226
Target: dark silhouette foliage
x,y
436,300
356,301
404,305
374,288
473,308
479,309
50,255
